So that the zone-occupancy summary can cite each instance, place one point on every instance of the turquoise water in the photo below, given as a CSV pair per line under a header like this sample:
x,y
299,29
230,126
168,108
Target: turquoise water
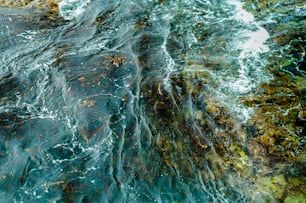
x,y
86,102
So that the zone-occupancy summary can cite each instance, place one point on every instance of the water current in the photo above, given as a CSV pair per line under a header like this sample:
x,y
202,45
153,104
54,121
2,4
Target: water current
x,y
110,104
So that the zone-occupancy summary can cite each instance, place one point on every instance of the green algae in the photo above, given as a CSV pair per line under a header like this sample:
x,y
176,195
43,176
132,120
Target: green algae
x,y
275,185
301,83
295,198
286,63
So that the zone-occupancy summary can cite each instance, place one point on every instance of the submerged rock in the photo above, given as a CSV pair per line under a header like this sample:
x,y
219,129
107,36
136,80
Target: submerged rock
x,y
48,8
268,150
49,4
278,147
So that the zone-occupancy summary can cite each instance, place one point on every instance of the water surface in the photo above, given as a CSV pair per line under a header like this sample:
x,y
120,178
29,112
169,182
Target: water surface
x,y
128,101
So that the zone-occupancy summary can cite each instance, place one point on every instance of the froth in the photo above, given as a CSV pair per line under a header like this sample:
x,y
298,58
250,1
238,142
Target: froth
x,y
72,9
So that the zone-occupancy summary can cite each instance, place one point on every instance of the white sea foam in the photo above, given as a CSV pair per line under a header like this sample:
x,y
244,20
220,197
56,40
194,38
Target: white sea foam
x,y
256,41
251,44
241,13
251,49
72,9
300,11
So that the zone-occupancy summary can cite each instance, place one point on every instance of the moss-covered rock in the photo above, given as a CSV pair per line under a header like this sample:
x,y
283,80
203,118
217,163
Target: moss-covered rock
x,y
280,188
274,185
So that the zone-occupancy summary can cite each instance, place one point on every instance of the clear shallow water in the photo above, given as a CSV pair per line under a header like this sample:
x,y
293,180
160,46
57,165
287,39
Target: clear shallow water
x,y
88,107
